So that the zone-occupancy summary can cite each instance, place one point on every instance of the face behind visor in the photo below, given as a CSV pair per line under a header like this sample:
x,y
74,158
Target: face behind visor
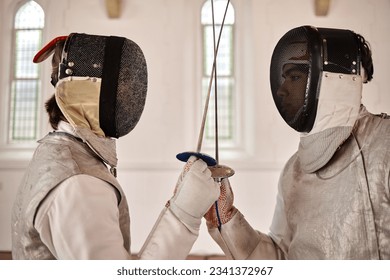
x,y
298,62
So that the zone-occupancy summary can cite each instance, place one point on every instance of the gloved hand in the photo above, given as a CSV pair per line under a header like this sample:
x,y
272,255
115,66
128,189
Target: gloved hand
x,y
224,207
194,194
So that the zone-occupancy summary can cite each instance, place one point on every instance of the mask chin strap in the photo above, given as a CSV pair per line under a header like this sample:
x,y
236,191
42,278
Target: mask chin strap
x,y
109,87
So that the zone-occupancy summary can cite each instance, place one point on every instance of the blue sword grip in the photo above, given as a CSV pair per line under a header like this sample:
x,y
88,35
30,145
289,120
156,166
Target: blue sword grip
x,y
210,161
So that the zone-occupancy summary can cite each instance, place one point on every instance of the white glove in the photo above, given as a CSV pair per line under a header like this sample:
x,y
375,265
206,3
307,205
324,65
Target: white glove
x,y
195,192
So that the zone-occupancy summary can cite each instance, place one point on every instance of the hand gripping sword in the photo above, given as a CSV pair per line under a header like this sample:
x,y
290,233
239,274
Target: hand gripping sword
x,y
218,171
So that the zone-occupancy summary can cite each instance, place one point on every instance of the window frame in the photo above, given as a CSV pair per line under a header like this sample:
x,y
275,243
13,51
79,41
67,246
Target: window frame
x,y
15,79
242,148
13,151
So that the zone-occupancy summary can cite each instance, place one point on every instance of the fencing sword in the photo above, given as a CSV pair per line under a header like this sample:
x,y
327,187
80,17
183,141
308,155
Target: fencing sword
x,y
218,172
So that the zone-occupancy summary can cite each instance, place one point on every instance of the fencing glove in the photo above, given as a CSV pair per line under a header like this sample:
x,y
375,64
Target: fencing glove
x,y
194,194
223,210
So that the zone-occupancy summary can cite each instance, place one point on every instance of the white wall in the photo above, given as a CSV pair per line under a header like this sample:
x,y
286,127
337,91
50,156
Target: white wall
x,y
168,32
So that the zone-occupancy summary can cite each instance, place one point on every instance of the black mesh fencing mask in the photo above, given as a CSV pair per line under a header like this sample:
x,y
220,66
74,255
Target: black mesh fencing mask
x,y
121,66
299,59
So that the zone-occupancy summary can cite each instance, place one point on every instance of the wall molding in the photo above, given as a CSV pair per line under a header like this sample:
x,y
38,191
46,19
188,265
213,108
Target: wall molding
x,y
167,166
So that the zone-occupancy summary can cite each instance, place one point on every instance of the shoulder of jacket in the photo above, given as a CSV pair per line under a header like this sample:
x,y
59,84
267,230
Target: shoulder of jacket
x,y
383,116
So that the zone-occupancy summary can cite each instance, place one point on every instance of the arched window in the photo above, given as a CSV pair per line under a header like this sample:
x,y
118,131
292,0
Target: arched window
x,y
27,38
225,71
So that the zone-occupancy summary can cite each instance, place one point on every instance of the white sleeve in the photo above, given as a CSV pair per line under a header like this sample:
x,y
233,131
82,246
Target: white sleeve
x,y
79,219
240,241
279,230
169,239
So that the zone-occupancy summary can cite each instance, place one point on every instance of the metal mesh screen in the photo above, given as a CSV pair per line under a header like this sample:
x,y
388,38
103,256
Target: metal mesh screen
x,y
290,75
124,104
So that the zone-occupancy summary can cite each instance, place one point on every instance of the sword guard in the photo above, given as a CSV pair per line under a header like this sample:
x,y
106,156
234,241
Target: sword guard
x,y
210,161
220,172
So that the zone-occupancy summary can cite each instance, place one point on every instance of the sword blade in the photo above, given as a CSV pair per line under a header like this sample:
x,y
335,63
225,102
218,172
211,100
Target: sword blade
x,y
213,76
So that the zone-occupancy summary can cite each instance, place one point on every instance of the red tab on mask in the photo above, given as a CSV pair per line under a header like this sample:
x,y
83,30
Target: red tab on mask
x,y
48,50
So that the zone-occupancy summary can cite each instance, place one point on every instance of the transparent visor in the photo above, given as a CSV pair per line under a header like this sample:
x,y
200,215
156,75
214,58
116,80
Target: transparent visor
x,y
289,76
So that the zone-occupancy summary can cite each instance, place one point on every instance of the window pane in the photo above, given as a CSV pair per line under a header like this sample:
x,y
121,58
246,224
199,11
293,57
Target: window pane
x,y
24,109
225,110
225,50
27,44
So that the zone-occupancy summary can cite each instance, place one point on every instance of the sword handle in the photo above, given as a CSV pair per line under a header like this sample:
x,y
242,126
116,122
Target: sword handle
x,y
206,158
218,172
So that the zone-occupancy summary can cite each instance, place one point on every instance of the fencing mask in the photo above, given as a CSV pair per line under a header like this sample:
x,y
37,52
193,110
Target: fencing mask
x,y
299,63
101,82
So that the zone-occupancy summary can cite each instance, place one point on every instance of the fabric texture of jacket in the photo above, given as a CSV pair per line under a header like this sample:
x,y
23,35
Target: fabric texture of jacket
x,y
58,157
341,211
